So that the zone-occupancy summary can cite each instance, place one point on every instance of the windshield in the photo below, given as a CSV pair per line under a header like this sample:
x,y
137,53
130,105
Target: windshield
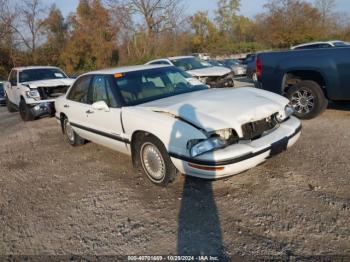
x,y
148,85
215,63
232,62
40,74
340,44
189,63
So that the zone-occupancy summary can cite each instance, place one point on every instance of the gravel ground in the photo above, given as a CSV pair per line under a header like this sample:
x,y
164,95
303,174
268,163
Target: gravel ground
x,y
56,199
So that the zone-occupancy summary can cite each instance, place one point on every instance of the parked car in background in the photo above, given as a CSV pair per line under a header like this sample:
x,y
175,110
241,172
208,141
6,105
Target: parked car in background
x,y
33,90
309,78
326,44
214,62
214,76
250,63
202,56
2,94
194,130
236,66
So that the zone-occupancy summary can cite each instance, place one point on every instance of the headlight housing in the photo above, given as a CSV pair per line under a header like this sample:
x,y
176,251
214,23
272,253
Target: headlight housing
x,y
218,139
288,111
34,93
207,146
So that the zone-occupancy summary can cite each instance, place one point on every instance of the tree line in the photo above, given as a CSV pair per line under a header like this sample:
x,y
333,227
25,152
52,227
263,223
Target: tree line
x,y
100,34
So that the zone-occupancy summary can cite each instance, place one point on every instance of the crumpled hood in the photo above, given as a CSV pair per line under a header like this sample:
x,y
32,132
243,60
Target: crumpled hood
x,y
50,82
215,109
210,71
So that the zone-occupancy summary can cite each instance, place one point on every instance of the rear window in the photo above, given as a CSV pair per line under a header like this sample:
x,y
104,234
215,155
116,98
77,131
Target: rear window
x,y
40,74
340,44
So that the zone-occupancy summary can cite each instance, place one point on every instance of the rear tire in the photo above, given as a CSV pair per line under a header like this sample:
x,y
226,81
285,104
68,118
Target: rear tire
x,y
10,107
70,135
25,111
307,99
155,161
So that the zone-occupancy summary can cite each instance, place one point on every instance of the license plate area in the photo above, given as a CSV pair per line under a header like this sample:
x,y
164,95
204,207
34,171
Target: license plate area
x,y
279,146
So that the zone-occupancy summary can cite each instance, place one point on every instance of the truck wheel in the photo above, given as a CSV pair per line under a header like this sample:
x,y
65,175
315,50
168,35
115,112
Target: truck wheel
x,y
155,160
25,111
307,99
73,138
10,106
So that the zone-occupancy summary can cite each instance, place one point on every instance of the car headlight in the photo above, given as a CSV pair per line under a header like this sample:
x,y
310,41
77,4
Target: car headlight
x,y
33,94
203,79
218,139
288,111
207,145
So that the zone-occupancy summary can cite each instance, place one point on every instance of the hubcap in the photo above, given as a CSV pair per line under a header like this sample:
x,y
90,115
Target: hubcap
x,y
69,131
152,161
303,101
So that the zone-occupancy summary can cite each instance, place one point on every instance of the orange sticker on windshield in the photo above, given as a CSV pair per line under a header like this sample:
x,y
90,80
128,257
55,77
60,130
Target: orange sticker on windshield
x,y
118,75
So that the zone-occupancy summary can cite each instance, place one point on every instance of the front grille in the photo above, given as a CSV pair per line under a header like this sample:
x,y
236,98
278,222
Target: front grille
x,y
255,130
221,81
52,92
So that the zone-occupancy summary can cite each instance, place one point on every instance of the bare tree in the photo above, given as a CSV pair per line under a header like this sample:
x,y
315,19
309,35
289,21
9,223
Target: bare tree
x,y
326,8
32,13
159,15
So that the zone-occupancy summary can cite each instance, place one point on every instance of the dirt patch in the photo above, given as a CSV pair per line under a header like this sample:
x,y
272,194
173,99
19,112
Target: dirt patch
x,y
56,199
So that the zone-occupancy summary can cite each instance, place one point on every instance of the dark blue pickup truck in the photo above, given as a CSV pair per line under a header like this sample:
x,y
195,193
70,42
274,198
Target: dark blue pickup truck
x,y
309,78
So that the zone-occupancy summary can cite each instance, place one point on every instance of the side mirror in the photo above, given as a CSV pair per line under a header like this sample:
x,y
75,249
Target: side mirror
x,y
100,105
13,82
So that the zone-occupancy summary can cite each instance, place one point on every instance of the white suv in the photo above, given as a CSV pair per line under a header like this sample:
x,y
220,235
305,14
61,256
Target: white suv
x,y
33,90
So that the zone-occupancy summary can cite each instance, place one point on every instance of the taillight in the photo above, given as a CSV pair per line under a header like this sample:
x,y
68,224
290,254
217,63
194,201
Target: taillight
x,y
258,67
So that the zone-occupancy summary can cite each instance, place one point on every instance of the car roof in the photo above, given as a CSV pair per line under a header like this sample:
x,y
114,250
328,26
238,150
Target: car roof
x,y
33,67
316,43
125,69
180,57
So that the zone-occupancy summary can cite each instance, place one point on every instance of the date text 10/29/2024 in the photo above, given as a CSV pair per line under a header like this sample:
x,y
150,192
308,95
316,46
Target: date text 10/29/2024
x,y
173,258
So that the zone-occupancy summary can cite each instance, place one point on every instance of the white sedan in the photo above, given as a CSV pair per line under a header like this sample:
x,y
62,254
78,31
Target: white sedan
x,y
172,124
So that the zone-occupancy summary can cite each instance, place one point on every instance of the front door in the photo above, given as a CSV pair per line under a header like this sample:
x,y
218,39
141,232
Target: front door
x,y
106,124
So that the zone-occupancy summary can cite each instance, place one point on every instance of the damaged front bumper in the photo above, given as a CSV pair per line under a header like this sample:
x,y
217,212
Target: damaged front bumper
x,y
44,108
240,157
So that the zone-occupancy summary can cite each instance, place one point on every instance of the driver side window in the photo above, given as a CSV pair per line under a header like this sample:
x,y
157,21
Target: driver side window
x,y
101,91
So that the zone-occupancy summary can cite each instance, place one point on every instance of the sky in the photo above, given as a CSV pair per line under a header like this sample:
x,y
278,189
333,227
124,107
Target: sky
x,y
248,7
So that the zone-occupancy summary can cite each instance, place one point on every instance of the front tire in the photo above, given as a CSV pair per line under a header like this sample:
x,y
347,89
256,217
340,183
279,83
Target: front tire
x,y
71,136
25,111
155,161
307,99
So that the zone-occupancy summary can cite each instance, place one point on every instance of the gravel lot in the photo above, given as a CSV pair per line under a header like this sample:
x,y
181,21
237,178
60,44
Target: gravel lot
x,y
56,199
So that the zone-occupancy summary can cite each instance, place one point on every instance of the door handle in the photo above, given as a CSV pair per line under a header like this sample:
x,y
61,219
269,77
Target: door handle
x,y
66,106
89,112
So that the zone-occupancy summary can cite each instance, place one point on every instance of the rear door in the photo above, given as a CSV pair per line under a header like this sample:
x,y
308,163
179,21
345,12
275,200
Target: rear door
x,y
107,125
77,105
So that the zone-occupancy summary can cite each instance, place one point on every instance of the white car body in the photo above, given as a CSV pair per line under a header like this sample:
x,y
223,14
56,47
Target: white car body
x,y
202,74
178,119
42,99
321,44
